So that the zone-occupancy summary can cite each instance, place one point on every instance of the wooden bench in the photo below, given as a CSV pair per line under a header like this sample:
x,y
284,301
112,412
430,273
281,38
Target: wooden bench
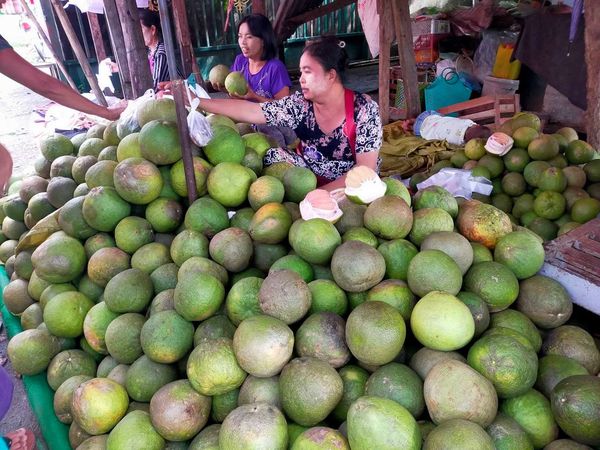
x,y
488,110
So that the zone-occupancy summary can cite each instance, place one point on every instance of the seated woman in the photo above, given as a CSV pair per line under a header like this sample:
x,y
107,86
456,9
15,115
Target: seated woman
x,y
157,56
337,128
266,75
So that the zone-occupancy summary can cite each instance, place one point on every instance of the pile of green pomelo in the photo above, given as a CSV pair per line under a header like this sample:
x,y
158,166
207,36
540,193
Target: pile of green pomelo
x,y
231,323
549,183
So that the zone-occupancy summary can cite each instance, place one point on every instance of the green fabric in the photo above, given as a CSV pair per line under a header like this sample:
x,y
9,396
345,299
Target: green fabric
x,y
41,396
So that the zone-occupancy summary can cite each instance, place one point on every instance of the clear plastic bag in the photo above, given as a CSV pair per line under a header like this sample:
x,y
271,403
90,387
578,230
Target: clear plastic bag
x,y
459,182
199,128
128,118
485,55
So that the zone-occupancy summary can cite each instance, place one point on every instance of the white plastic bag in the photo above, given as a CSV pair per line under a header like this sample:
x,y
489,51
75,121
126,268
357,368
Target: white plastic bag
x,y
200,131
369,19
129,115
459,182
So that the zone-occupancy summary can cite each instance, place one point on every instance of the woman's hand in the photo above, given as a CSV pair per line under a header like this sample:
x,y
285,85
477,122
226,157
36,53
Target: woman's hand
x,y
250,96
218,87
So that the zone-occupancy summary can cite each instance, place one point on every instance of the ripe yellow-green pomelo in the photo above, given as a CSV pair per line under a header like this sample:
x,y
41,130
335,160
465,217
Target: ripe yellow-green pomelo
x,y
129,147
103,208
162,109
133,232
95,324
575,343
381,423
523,136
354,277
218,119
198,296
218,74
375,332
201,170
585,209
397,188
242,299
543,148
138,181
315,240
228,183
31,351
296,264
64,314
532,412
397,254
266,189
135,429
483,223
298,181
549,205
520,252
212,367
516,159
92,146
453,332
399,383
436,197
232,248
166,337
579,152
99,404
270,224
475,149
427,221
327,296
236,84
259,142
552,179
263,345
494,283
389,217
568,133
395,293
509,365
458,433
55,145
59,259
159,142
226,145
101,174
206,216
256,425
433,270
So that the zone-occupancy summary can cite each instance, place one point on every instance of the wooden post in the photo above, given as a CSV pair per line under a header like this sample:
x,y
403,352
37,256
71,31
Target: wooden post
x,y
403,29
137,55
96,36
592,50
258,7
42,33
118,43
182,31
79,53
385,25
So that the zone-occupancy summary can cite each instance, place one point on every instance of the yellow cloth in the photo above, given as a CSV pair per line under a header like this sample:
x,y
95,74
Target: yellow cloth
x,y
403,154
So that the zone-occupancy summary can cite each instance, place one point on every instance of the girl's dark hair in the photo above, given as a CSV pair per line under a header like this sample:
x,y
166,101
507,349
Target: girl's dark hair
x,y
149,18
261,27
329,52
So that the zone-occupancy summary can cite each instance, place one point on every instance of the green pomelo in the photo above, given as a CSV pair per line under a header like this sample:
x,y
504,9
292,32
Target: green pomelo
x,y
135,431
69,363
129,147
71,220
592,171
433,270
241,218
226,145
212,368
493,163
30,186
156,109
99,404
65,312
166,337
285,296
546,229
132,233
129,291
187,244
259,142
315,240
389,217
579,152
16,298
482,223
101,174
178,412
521,252
545,301
145,377
381,423
217,326
55,145
32,317
198,296
575,343
508,434
458,433
440,321
218,74
122,337
103,208
207,439
242,300
232,248
397,254
178,180
514,184
97,242
352,216
198,264
296,264
137,181
206,216
575,175
298,181
516,160
92,146
427,221
552,179
95,324
523,136
39,206
375,332
327,296
310,390
585,209
59,259
236,84
519,322
453,245
31,351
270,224
555,368
399,383
426,359
260,390
106,263
353,277
320,437
266,189
63,397
397,188
263,345
223,404
543,148
228,183
354,379
532,412
479,310
361,234
253,161
322,336
494,283
253,427
159,142
522,205
459,158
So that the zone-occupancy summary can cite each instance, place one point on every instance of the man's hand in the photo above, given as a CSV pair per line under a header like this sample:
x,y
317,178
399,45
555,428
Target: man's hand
x,y
114,112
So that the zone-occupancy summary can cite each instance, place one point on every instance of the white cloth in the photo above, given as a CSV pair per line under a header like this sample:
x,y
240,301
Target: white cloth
x,y
452,129
369,18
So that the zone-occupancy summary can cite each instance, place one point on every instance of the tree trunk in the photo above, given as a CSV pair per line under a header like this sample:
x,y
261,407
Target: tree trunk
x,y
592,52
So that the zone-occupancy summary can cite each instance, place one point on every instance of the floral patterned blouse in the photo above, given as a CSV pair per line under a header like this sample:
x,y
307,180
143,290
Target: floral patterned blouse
x,y
327,155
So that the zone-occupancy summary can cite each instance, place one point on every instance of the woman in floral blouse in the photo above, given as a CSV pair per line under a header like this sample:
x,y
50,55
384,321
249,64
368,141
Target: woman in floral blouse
x,y
337,128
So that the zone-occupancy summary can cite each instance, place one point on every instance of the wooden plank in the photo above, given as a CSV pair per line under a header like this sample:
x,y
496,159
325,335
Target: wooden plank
x,y
52,27
182,32
383,9
279,24
79,53
592,50
403,29
137,55
258,7
319,12
46,40
118,44
97,37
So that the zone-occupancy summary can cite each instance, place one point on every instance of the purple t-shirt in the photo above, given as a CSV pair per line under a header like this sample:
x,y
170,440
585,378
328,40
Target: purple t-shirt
x,y
272,78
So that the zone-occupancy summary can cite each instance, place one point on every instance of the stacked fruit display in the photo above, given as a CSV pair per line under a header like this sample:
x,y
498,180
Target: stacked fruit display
x,y
232,323
549,183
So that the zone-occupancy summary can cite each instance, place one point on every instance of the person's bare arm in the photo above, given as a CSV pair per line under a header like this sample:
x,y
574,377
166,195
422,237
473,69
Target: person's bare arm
x,y
15,67
368,159
238,110
253,96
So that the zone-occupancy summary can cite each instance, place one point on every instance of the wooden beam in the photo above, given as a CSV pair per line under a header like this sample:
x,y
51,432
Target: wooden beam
x,y
182,32
403,29
258,7
137,55
46,40
592,50
97,37
385,24
279,23
79,53
319,12
118,44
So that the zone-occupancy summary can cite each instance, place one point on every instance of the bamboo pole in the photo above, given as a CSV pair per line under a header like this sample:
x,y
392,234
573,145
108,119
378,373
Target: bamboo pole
x,y
79,53
46,40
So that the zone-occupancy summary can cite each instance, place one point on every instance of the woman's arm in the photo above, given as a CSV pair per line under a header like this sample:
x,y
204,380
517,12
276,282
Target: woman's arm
x,y
368,159
238,110
15,67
